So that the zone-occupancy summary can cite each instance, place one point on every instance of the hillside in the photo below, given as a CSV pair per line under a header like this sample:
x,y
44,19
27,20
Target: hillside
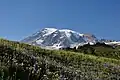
x,y
98,49
19,61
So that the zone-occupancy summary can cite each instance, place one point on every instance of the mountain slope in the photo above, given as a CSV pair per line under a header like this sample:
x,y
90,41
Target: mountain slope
x,y
51,37
26,62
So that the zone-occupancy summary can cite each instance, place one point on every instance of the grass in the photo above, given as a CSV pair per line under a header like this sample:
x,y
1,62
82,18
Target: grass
x,y
34,63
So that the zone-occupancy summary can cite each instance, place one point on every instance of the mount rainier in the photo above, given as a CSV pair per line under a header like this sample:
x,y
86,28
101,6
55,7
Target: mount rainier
x,y
55,38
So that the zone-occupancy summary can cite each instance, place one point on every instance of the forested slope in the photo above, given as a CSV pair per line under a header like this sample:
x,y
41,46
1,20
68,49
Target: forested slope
x,y
98,49
19,61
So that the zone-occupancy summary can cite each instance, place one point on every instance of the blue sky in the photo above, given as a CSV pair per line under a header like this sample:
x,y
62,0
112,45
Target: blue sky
x,y
20,18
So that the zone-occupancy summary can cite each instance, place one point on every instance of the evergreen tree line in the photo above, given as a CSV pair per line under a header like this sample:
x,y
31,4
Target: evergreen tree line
x,y
98,49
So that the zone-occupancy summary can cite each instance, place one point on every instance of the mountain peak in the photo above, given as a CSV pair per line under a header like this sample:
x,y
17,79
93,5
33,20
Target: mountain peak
x,y
66,30
50,29
55,38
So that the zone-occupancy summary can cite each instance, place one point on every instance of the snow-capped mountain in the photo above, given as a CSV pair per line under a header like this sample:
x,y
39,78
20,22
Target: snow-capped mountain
x,y
55,38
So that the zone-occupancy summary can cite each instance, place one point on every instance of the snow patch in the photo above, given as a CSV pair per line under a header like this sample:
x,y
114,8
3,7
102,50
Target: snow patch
x,y
49,31
112,43
39,41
